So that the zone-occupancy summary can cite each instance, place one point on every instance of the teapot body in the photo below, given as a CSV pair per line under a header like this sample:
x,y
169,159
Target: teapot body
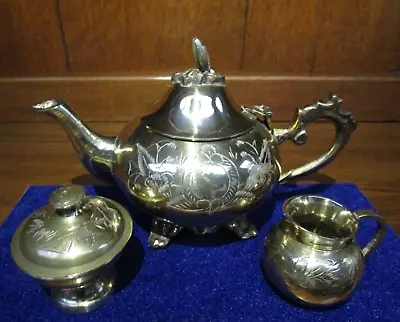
x,y
311,276
196,184
200,160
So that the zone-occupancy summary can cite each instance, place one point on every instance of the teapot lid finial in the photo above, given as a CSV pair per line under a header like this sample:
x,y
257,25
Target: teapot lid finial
x,y
198,107
203,74
200,53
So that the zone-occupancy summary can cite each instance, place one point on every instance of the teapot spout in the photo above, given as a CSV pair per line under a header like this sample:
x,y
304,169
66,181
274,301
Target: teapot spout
x,y
95,151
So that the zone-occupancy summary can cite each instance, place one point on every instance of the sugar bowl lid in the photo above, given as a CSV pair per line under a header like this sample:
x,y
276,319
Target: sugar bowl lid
x,y
198,107
72,235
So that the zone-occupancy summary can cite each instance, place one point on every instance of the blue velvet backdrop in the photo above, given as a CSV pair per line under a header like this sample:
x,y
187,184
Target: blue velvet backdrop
x,y
204,278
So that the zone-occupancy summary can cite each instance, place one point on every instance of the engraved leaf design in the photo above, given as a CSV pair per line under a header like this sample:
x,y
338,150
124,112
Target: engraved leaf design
x,y
323,271
245,194
37,229
144,158
265,154
160,147
189,182
45,234
35,225
86,237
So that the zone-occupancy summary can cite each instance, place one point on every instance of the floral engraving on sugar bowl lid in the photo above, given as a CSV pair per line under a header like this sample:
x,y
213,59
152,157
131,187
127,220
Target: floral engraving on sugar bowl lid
x,y
72,235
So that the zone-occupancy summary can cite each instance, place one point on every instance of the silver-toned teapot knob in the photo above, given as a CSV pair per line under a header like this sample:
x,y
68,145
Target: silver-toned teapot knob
x,y
201,55
204,74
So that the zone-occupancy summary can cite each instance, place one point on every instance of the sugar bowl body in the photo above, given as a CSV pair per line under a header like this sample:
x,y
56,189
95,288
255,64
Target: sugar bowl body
x,y
70,246
312,257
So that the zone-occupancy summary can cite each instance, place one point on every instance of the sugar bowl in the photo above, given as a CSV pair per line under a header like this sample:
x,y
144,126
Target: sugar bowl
x,y
311,256
70,246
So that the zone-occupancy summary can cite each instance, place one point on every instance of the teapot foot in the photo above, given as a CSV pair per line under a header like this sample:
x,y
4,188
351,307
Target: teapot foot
x,y
242,228
162,232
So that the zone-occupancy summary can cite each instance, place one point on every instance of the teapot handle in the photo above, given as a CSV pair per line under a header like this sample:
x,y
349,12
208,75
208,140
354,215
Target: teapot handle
x,y
344,123
380,230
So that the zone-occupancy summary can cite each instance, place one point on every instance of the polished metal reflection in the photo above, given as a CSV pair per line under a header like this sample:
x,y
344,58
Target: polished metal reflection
x,y
344,124
311,256
95,151
198,161
70,246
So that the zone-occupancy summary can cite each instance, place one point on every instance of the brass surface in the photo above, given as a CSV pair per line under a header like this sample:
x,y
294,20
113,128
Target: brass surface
x,y
311,256
71,245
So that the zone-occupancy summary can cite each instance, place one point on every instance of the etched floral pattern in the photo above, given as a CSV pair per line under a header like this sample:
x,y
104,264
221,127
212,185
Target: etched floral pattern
x,y
206,180
93,233
324,271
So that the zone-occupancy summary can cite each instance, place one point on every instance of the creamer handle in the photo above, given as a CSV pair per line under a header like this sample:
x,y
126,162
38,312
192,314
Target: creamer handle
x,y
380,230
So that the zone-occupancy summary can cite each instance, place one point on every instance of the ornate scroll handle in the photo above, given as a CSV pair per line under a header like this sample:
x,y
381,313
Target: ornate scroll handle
x,y
345,125
380,230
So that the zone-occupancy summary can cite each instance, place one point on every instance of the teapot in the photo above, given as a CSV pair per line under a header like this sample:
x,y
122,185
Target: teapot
x,y
200,161
311,256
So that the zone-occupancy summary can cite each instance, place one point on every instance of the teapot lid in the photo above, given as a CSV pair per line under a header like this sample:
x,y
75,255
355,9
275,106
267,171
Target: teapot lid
x,y
72,235
197,107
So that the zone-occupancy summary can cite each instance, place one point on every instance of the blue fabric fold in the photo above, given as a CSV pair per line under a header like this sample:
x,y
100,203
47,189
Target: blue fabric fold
x,y
205,278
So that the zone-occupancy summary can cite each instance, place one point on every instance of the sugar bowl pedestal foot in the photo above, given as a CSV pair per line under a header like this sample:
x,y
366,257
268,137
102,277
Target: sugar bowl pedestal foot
x,y
87,297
